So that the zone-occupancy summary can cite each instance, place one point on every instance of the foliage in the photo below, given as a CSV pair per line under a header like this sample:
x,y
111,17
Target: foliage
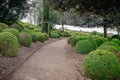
x,y
34,37
112,44
41,36
17,26
84,47
101,65
25,39
13,31
116,41
55,34
46,36
116,36
11,10
3,25
65,34
8,44
1,29
110,48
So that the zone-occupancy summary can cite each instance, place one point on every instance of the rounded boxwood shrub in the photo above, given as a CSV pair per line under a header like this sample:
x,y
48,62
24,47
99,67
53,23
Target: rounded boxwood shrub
x,y
55,34
34,37
41,37
101,65
3,25
84,47
116,41
8,44
65,34
25,39
46,36
94,43
1,29
112,44
16,26
110,48
13,31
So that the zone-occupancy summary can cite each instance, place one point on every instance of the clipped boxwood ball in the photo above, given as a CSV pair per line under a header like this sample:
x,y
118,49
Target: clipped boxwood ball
x,y
3,25
116,41
17,26
110,48
41,37
8,44
25,39
101,65
1,29
34,37
84,47
13,31
112,44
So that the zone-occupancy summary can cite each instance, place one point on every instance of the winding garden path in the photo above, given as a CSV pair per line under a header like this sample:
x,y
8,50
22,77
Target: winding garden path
x,y
48,63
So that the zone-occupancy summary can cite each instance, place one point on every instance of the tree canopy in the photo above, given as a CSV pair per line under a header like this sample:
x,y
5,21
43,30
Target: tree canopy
x,y
10,10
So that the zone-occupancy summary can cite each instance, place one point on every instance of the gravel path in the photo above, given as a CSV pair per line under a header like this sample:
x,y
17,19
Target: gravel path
x,y
48,63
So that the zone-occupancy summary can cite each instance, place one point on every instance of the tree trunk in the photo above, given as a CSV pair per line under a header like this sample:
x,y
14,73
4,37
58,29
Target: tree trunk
x,y
45,18
105,31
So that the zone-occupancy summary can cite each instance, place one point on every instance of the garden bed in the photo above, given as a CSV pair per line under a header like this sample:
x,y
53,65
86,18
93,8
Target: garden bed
x,y
9,64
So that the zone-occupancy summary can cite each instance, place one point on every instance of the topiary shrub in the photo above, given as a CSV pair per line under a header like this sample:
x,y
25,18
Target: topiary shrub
x,y
41,37
46,36
13,31
116,41
112,44
34,37
55,34
94,43
1,29
116,36
101,65
110,48
16,26
84,47
8,44
3,25
65,34
25,39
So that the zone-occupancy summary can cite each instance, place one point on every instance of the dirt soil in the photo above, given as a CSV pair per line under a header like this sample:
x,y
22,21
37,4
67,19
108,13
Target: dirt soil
x,y
8,64
55,61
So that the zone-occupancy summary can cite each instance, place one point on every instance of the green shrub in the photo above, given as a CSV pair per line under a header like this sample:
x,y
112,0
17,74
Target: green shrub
x,y
25,39
116,36
110,48
65,34
46,36
116,41
1,29
101,65
94,43
3,25
55,34
41,37
34,37
84,47
37,30
13,31
16,26
112,44
8,44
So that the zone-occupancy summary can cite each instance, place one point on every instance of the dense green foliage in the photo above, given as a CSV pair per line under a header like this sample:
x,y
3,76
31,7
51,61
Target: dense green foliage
x,y
25,39
1,29
11,10
8,44
41,36
17,26
13,31
3,25
116,41
84,47
34,37
112,49
101,65
55,34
